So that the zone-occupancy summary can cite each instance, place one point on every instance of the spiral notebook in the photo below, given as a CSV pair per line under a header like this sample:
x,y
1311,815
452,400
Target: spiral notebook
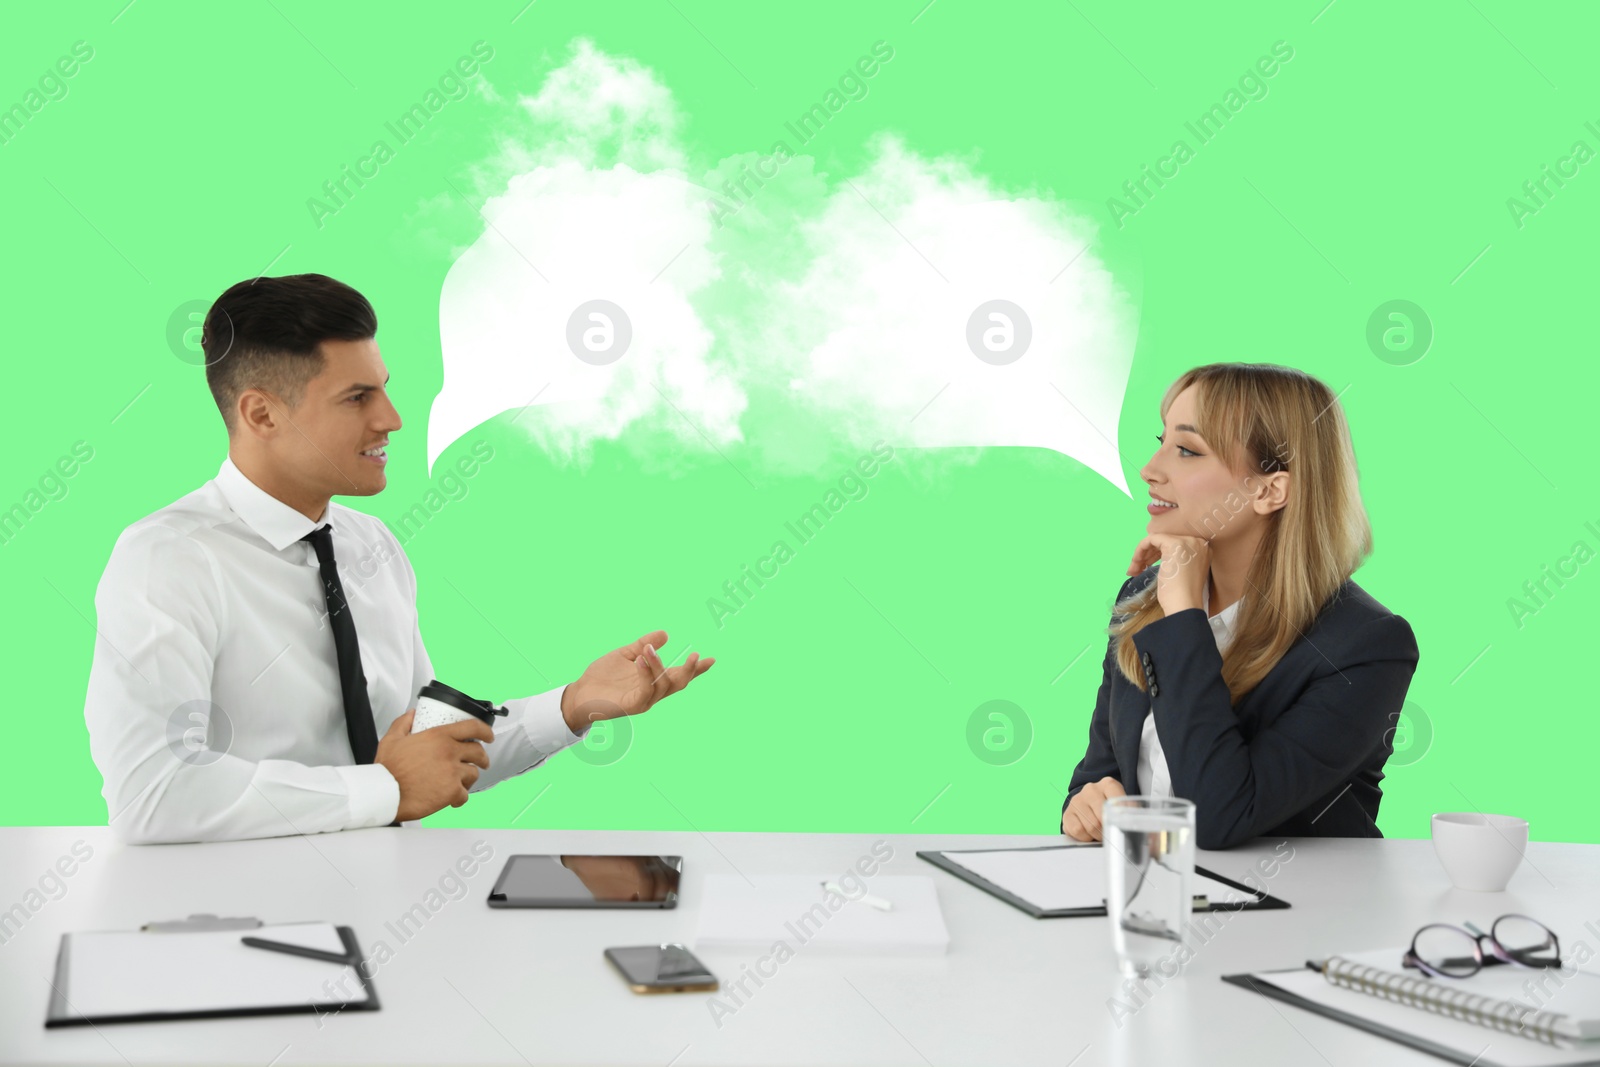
x,y
1500,1017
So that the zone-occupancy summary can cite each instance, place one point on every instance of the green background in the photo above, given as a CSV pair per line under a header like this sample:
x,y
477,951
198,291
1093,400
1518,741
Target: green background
x,y
1378,168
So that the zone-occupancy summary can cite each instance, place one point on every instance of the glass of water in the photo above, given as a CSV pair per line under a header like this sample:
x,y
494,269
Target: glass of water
x,y
1149,845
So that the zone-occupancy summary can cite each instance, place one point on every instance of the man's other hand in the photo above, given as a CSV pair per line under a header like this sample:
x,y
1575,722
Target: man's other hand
x,y
434,767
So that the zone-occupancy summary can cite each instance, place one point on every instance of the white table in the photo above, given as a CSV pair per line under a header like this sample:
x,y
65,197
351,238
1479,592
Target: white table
x,y
482,985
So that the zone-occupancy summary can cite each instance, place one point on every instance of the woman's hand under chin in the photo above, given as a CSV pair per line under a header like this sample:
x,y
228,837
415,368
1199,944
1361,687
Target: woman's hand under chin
x,y
1185,568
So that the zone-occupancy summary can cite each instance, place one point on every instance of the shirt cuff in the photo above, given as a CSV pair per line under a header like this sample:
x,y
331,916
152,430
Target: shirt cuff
x,y
545,726
374,794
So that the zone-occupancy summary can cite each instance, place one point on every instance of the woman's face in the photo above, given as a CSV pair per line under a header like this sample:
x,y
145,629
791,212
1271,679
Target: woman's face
x,y
1212,501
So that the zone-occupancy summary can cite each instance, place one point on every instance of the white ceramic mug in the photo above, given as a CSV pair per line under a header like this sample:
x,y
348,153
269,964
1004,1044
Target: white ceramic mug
x,y
1479,852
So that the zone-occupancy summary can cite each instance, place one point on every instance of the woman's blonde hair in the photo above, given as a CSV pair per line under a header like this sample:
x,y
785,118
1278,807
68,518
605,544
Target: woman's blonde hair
x,y
1266,418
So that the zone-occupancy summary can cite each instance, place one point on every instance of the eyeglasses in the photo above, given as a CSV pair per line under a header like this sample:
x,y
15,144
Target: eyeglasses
x,y
1445,951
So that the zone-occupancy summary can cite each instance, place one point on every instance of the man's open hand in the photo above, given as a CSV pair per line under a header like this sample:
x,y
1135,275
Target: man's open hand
x,y
627,681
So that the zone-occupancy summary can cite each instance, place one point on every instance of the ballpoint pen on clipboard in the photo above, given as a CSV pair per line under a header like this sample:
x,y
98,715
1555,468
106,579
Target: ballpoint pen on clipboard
x,y
244,922
297,950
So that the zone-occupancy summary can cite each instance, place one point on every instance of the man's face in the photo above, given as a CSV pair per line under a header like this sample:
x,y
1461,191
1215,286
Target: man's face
x,y
345,412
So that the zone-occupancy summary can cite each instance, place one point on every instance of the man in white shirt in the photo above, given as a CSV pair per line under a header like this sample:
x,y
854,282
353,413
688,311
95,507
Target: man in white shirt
x,y
258,656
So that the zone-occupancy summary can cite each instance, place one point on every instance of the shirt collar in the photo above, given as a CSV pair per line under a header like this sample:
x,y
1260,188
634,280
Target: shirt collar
x,y
1224,617
278,524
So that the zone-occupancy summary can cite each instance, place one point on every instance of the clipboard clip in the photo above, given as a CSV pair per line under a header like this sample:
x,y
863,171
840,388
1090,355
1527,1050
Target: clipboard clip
x,y
201,921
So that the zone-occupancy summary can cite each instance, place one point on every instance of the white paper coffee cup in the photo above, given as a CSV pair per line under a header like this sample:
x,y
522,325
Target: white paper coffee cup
x,y
439,705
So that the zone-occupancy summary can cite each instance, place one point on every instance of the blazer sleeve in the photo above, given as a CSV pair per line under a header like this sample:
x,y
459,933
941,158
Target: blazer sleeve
x,y
1242,788
1099,761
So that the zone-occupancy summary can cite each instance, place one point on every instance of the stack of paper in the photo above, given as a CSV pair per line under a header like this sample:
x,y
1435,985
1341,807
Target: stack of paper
x,y
759,912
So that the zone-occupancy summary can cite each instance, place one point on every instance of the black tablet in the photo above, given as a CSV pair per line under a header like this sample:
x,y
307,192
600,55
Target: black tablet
x,y
529,881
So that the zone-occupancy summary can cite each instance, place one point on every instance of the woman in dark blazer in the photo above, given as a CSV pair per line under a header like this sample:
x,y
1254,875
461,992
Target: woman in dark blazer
x,y
1247,672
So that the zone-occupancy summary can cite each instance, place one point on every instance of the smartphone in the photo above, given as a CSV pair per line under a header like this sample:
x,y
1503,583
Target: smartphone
x,y
662,969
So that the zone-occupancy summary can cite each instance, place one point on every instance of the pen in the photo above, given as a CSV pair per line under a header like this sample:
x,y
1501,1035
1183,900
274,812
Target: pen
x,y
876,902
296,950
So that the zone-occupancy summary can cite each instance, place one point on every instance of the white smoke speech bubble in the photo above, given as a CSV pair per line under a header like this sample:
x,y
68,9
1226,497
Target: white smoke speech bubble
x,y
576,298
929,308
935,316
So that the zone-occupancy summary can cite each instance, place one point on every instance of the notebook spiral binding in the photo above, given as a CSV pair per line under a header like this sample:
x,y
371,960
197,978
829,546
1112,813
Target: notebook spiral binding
x,y
1425,993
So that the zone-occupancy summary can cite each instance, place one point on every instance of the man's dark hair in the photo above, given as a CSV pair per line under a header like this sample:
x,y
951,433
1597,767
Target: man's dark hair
x,y
267,334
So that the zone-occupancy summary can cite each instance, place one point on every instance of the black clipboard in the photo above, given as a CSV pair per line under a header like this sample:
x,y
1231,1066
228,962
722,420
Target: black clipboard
x,y
1263,901
1421,1044
60,1012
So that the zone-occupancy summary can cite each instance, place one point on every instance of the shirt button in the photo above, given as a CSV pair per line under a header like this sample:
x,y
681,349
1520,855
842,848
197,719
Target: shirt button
x,y
1155,690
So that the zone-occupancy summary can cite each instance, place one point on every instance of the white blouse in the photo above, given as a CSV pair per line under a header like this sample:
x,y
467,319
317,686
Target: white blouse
x,y
1154,780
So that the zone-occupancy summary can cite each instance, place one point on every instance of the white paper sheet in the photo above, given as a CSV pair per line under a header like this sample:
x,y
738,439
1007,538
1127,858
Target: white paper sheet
x,y
1056,878
736,913
131,972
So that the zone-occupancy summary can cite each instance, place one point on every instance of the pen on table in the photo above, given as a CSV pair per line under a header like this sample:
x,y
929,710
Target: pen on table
x,y
876,902
296,950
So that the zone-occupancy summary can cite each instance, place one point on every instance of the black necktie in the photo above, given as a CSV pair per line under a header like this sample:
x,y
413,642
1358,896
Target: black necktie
x,y
352,680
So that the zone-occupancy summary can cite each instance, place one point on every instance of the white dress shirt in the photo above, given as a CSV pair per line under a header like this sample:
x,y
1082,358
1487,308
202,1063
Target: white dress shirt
x,y
1154,779
214,707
